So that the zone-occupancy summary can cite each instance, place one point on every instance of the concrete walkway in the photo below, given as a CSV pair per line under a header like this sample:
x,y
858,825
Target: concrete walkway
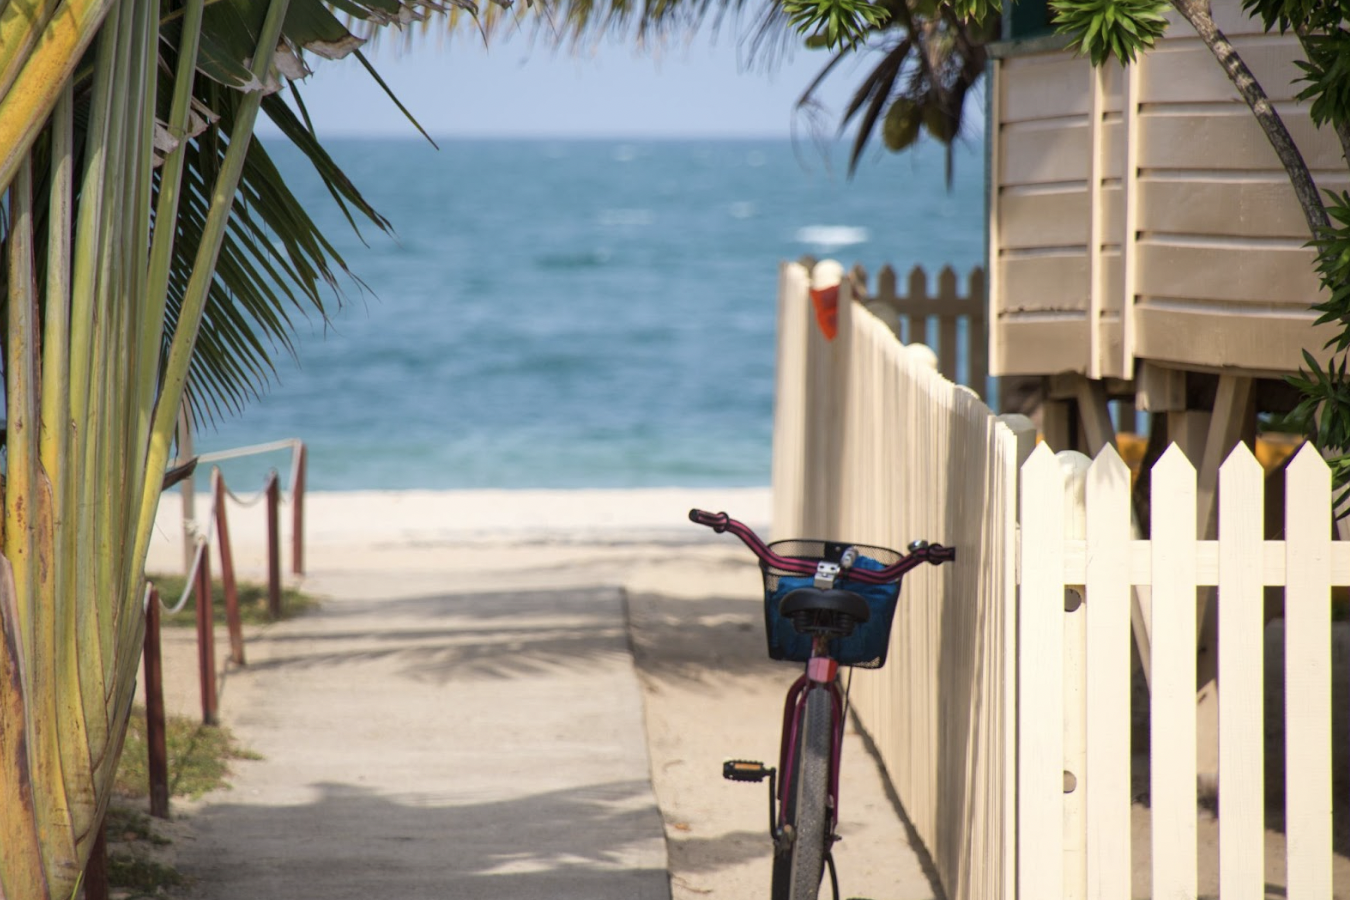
x,y
450,736
462,718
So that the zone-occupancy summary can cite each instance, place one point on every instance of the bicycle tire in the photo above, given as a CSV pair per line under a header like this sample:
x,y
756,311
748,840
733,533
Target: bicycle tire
x,y
798,869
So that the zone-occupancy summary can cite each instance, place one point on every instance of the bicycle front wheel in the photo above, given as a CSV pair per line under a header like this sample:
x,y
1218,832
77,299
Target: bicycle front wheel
x,y
799,865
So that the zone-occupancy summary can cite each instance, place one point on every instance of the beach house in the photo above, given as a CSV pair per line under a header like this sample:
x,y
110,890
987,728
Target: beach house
x,y
1144,242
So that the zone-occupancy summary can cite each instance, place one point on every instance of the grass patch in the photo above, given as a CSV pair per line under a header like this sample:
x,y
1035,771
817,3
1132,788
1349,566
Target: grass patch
x,y
143,876
252,601
123,824
199,757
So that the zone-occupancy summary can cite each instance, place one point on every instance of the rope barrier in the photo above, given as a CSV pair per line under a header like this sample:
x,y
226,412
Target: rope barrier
x,y
202,535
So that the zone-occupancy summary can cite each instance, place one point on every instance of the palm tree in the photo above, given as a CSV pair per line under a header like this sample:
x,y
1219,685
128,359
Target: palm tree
x,y
136,243
928,54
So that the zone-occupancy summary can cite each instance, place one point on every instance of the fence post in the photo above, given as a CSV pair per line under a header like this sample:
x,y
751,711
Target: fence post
x,y
1075,467
96,869
273,548
227,570
1040,680
206,638
298,512
157,767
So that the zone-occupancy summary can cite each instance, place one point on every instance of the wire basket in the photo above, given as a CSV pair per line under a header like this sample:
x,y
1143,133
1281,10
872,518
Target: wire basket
x,y
866,646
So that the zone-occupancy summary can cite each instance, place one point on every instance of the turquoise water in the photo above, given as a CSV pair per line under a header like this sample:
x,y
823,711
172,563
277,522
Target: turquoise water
x,y
564,314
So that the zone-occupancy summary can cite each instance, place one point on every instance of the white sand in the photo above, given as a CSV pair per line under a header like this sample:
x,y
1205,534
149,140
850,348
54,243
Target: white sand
x,y
378,529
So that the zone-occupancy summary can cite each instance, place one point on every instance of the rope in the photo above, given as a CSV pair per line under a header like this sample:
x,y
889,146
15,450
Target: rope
x,y
252,500
203,541
292,444
202,537
216,456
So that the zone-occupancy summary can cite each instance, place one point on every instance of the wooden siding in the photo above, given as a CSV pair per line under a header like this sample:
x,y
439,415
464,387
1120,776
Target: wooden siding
x,y
1216,226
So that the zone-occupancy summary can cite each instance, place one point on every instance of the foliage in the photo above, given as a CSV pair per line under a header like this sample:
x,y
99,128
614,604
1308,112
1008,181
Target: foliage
x,y
1101,29
834,23
153,257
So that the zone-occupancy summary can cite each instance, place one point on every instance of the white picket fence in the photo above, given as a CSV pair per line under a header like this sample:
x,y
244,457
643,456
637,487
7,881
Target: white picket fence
x,y
872,445
1074,686
1003,717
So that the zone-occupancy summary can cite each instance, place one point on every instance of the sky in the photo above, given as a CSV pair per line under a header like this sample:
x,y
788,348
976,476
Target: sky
x,y
700,88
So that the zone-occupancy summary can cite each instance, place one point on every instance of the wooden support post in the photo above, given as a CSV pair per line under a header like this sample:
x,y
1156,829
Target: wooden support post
x,y
1095,416
232,618
206,638
298,512
96,870
1159,390
156,739
1057,424
273,549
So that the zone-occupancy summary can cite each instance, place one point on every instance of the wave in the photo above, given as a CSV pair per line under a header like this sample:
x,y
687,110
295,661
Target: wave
x,y
831,236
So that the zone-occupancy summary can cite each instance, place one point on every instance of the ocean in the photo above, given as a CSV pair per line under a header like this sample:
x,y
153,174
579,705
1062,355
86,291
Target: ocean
x,y
576,313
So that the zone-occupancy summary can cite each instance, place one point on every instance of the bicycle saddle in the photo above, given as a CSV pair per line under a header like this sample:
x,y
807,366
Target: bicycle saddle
x,y
810,599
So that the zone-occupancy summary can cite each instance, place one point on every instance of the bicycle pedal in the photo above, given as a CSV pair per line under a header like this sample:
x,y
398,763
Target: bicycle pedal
x,y
745,770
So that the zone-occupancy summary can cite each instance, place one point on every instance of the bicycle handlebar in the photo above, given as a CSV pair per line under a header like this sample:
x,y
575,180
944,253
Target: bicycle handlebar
x,y
936,554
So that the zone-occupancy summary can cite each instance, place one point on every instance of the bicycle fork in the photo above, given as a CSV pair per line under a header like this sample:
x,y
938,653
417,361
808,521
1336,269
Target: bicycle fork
x,y
820,675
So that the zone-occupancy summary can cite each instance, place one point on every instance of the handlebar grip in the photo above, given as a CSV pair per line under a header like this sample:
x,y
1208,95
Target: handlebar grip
x,y
716,521
938,554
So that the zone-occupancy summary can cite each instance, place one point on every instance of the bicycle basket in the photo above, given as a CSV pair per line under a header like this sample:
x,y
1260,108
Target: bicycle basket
x,y
866,646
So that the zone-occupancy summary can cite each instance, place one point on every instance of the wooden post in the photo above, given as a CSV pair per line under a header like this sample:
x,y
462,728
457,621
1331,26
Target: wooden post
x,y
96,870
206,638
298,513
232,619
273,548
155,737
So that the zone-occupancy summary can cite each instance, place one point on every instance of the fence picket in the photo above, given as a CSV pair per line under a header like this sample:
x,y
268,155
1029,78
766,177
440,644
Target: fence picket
x,y
1108,685
1307,661
1241,672
1075,466
948,299
1172,739
1040,683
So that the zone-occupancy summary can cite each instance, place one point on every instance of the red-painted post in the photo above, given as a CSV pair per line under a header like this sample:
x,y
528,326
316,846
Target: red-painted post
x,y
206,638
96,870
273,548
298,513
232,618
155,735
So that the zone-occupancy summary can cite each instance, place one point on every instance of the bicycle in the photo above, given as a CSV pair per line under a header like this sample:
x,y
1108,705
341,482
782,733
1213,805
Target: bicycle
x,y
827,604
